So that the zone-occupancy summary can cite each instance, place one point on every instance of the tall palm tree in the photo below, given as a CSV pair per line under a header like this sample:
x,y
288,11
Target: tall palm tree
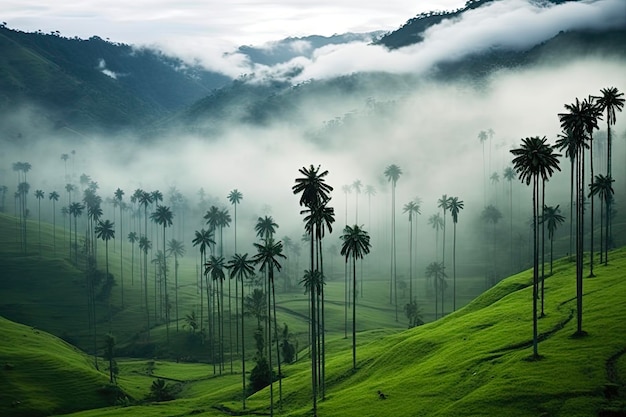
x,y
436,272
214,268
76,210
576,120
347,189
319,219
437,223
132,238
145,245
603,187
610,101
203,239
70,188
118,196
315,192
356,244
413,209
356,186
509,175
444,204
491,214
393,172
105,230
235,197
552,218
267,257
64,158
594,113
535,161
241,268
54,197
455,205
567,141
265,227
163,216
39,194
177,249
482,138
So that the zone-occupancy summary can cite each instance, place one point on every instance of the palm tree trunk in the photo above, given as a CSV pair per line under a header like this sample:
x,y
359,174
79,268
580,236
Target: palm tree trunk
x,y
410,259
591,196
454,268
535,262
543,243
353,313
313,334
269,350
243,351
280,375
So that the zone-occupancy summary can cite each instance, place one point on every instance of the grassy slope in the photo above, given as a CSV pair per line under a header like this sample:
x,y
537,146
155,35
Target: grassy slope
x,y
42,375
472,363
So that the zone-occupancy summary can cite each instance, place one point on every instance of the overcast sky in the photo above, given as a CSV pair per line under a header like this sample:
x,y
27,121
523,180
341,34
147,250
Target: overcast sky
x,y
239,22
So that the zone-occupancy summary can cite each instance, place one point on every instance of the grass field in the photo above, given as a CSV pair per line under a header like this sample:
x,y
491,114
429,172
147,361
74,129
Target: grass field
x,y
474,362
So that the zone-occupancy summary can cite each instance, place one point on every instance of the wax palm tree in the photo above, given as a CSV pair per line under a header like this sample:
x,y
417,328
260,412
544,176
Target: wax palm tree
x,y
482,138
241,268
54,197
265,227
455,205
203,239
603,187
177,249
319,219
356,244
610,101
214,268
212,218
393,172
509,175
145,245
132,238
491,214
436,272
444,204
69,188
106,231
437,223
235,197
118,196
576,120
267,257
552,218
315,192
76,210
567,141
594,113
535,161
39,194
163,216
64,158
413,209
356,186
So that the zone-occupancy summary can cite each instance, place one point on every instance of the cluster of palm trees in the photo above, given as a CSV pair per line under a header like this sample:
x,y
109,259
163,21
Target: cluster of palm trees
x,y
536,161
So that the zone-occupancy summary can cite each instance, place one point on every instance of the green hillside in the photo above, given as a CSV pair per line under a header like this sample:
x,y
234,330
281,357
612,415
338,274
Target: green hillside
x,y
475,362
42,375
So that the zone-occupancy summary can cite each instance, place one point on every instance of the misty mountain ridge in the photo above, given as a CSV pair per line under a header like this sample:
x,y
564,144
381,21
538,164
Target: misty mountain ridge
x,y
94,85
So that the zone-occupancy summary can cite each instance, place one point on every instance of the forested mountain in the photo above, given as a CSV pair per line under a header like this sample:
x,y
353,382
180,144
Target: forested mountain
x,y
95,84
278,101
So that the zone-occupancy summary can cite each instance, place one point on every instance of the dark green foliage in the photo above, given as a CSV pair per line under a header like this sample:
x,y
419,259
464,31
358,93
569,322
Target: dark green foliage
x,y
413,313
161,391
114,395
260,375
